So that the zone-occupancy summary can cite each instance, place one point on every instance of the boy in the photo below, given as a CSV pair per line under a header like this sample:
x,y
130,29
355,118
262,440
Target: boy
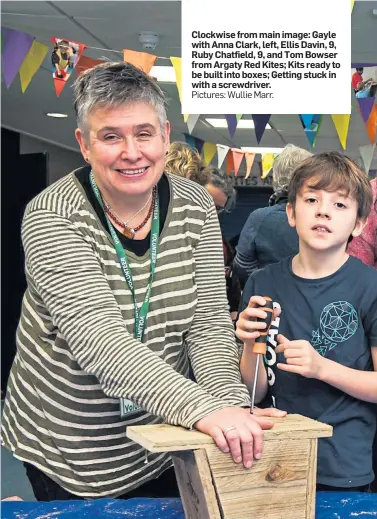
x,y
323,363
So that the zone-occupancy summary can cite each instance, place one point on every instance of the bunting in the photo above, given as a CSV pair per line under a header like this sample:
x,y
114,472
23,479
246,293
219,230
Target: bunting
x,y
232,123
191,122
222,152
237,156
177,64
190,140
307,120
341,123
371,125
260,123
85,63
312,132
31,63
15,46
367,153
267,163
141,60
365,106
249,157
64,57
209,150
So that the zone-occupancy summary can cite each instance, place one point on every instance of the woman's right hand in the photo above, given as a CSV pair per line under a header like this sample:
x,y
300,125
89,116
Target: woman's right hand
x,y
237,431
247,325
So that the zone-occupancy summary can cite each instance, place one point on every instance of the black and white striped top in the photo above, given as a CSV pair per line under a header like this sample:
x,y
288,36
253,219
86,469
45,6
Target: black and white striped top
x,y
76,353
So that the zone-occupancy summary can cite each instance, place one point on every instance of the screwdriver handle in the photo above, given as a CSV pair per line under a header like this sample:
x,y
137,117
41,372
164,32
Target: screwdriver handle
x,y
260,344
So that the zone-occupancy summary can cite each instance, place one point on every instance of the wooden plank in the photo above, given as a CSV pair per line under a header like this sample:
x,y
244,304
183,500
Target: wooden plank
x,y
196,485
283,464
274,487
168,438
311,478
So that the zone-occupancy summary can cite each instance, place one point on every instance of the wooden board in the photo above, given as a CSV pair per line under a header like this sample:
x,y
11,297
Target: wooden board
x,y
275,486
169,438
195,485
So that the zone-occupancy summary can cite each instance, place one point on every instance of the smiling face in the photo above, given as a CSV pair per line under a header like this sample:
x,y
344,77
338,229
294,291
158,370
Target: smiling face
x,y
126,149
324,219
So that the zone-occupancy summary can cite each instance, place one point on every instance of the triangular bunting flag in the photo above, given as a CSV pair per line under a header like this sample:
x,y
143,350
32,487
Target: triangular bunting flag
x,y
352,4
371,125
365,105
237,156
31,63
209,150
199,143
222,151
366,153
267,163
190,140
191,122
249,157
65,55
177,64
232,123
238,117
84,63
15,46
229,163
307,120
341,123
260,123
142,60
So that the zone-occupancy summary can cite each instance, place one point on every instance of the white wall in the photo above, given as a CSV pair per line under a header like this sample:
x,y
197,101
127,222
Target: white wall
x,y
61,161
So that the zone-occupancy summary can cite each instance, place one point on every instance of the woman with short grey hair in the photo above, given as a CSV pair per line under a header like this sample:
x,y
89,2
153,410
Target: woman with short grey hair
x,y
125,283
267,236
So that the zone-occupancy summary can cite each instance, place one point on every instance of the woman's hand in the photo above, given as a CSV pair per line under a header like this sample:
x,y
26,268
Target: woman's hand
x,y
237,431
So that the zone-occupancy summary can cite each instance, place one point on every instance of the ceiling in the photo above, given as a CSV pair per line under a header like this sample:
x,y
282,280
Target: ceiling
x,y
115,25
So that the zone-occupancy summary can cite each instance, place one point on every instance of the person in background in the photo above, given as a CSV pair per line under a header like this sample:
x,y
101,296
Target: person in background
x,y
365,245
125,286
360,87
267,236
185,161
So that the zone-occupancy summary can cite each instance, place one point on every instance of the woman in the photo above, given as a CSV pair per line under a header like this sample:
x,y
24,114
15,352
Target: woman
x,y
125,282
267,236
365,245
185,161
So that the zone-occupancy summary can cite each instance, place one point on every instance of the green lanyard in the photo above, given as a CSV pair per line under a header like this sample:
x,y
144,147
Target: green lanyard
x,y
141,313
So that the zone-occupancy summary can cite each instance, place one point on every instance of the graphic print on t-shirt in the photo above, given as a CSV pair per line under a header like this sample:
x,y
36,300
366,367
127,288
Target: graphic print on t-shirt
x,y
338,322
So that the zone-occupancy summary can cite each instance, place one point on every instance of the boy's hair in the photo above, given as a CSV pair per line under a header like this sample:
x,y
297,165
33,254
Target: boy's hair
x,y
333,171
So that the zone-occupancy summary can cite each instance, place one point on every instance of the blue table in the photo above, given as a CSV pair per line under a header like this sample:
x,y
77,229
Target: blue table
x,y
330,505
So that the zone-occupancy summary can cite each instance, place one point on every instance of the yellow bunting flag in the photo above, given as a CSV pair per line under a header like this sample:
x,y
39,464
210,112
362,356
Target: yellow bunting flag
x,y
341,123
31,63
177,64
209,150
249,157
267,163
142,60
352,4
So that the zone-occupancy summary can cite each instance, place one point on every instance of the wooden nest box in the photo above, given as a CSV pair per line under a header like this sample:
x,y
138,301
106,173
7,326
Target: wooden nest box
x,y
281,485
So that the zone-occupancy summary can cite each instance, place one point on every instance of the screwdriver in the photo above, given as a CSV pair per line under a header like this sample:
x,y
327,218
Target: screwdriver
x,y
260,343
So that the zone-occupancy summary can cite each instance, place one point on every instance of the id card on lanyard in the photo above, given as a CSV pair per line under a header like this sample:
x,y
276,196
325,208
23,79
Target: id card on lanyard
x,y
140,313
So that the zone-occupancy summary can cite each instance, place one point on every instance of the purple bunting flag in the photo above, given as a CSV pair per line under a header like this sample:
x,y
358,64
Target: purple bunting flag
x,y
232,123
365,105
16,45
260,123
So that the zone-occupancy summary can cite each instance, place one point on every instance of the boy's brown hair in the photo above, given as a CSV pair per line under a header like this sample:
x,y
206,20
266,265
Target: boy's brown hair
x,y
333,171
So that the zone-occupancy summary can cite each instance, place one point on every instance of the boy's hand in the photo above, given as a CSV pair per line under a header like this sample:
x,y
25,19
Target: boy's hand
x,y
247,325
301,358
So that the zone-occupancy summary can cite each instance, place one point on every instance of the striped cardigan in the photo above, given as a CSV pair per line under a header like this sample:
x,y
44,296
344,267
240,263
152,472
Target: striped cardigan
x,y
76,353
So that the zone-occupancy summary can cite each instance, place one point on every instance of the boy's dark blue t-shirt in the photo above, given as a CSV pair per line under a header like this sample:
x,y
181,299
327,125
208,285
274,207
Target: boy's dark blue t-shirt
x,y
338,316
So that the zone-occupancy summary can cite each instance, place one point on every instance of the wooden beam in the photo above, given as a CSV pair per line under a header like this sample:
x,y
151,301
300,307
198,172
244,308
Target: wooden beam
x,y
168,438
